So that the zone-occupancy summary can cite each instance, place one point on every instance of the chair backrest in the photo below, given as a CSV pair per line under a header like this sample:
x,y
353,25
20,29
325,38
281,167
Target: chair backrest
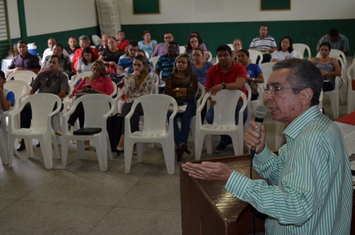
x,y
231,46
339,55
114,89
351,77
81,76
201,91
19,88
225,114
42,105
266,68
301,47
96,39
254,55
154,60
95,107
155,108
22,75
182,49
210,56
156,78
155,89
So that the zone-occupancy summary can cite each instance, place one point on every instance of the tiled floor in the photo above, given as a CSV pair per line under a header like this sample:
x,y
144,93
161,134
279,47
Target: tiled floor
x,y
83,200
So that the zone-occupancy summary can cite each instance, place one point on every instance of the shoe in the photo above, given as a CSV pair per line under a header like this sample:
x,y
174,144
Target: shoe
x,y
184,148
21,146
119,149
87,147
38,145
58,133
220,147
179,152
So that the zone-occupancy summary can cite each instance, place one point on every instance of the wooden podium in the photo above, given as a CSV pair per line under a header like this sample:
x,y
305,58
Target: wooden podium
x,y
207,208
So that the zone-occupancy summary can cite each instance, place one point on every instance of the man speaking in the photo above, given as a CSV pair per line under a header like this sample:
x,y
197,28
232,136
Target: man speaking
x,y
307,187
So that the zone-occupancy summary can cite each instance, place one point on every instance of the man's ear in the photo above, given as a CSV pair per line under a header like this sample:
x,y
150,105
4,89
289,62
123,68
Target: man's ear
x,y
306,96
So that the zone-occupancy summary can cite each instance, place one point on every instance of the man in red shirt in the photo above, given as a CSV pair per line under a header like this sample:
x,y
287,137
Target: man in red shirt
x,y
84,41
228,75
121,42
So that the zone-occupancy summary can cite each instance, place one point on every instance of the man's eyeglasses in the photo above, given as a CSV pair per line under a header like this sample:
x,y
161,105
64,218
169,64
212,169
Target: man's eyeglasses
x,y
274,90
167,37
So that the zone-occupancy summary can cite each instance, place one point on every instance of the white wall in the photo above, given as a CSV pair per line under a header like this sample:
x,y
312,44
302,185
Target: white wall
x,y
193,11
48,16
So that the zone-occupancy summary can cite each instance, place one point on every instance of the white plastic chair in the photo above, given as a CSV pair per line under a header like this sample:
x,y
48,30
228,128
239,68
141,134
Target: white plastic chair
x,y
301,48
41,128
334,97
97,108
266,68
155,109
156,79
4,137
96,39
231,46
249,105
22,75
154,60
210,56
182,49
351,92
254,55
114,89
223,121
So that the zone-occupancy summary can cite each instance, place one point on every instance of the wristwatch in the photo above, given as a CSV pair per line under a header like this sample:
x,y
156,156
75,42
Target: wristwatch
x,y
253,79
224,85
177,88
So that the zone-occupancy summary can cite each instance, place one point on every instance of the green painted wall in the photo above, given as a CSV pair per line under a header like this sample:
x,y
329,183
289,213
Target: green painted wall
x,y
214,34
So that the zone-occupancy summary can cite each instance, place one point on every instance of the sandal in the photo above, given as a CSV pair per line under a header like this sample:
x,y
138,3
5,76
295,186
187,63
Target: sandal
x,y
87,147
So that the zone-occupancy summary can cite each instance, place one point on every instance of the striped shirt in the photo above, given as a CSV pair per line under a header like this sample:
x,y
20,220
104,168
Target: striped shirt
x,y
342,44
263,43
310,185
166,65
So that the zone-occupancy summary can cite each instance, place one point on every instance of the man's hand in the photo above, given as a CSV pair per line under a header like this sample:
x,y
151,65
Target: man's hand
x,y
215,89
208,170
252,138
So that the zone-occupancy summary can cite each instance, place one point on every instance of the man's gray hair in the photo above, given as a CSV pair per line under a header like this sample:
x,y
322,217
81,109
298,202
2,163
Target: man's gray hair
x,y
85,38
304,75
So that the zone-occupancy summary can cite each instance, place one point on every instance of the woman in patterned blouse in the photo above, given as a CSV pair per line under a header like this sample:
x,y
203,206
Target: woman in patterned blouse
x,y
136,84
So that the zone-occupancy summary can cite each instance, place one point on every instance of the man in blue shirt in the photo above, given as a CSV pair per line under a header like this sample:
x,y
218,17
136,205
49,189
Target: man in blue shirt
x,y
126,60
166,62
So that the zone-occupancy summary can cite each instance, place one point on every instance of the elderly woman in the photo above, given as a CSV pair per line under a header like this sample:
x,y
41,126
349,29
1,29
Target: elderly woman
x,y
182,85
237,46
284,50
110,55
97,82
136,84
254,74
328,66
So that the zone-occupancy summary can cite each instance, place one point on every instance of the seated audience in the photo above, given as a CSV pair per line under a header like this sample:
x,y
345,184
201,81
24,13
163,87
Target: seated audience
x,y
24,60
141,53
110,56
162,48
121,42
72,42
328,66
136,84
103,45
336,40
200,66
97,82
51,81
228,75
84,42
147,44
166,62
49,51
7,98
126,60
194,42
85,61
201,44
254,73
264,43
65,65
284,50
237,45
182,84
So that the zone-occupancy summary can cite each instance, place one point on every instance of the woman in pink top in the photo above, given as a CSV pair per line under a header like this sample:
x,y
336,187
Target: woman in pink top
x,y
97,82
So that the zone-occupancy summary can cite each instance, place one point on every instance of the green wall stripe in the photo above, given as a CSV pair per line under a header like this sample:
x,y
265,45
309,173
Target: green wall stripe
x,y
22,19
214,34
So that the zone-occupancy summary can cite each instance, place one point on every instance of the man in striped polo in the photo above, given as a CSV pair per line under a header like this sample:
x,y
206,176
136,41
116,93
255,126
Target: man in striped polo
x,y
307,187
264,43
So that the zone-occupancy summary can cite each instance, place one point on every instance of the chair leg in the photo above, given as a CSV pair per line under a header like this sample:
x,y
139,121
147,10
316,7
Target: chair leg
x,y
128,149
198,146
29,148
169,156
101,151
11,149
65,146
46,148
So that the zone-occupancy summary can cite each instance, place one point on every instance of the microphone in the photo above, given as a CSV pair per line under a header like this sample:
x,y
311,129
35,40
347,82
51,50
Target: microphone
x,y
260,114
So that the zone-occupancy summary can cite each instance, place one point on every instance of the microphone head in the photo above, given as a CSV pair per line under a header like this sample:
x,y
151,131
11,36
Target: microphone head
x,y
260,111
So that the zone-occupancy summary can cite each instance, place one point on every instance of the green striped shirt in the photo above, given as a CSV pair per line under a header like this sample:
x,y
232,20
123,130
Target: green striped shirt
x,y
307,188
